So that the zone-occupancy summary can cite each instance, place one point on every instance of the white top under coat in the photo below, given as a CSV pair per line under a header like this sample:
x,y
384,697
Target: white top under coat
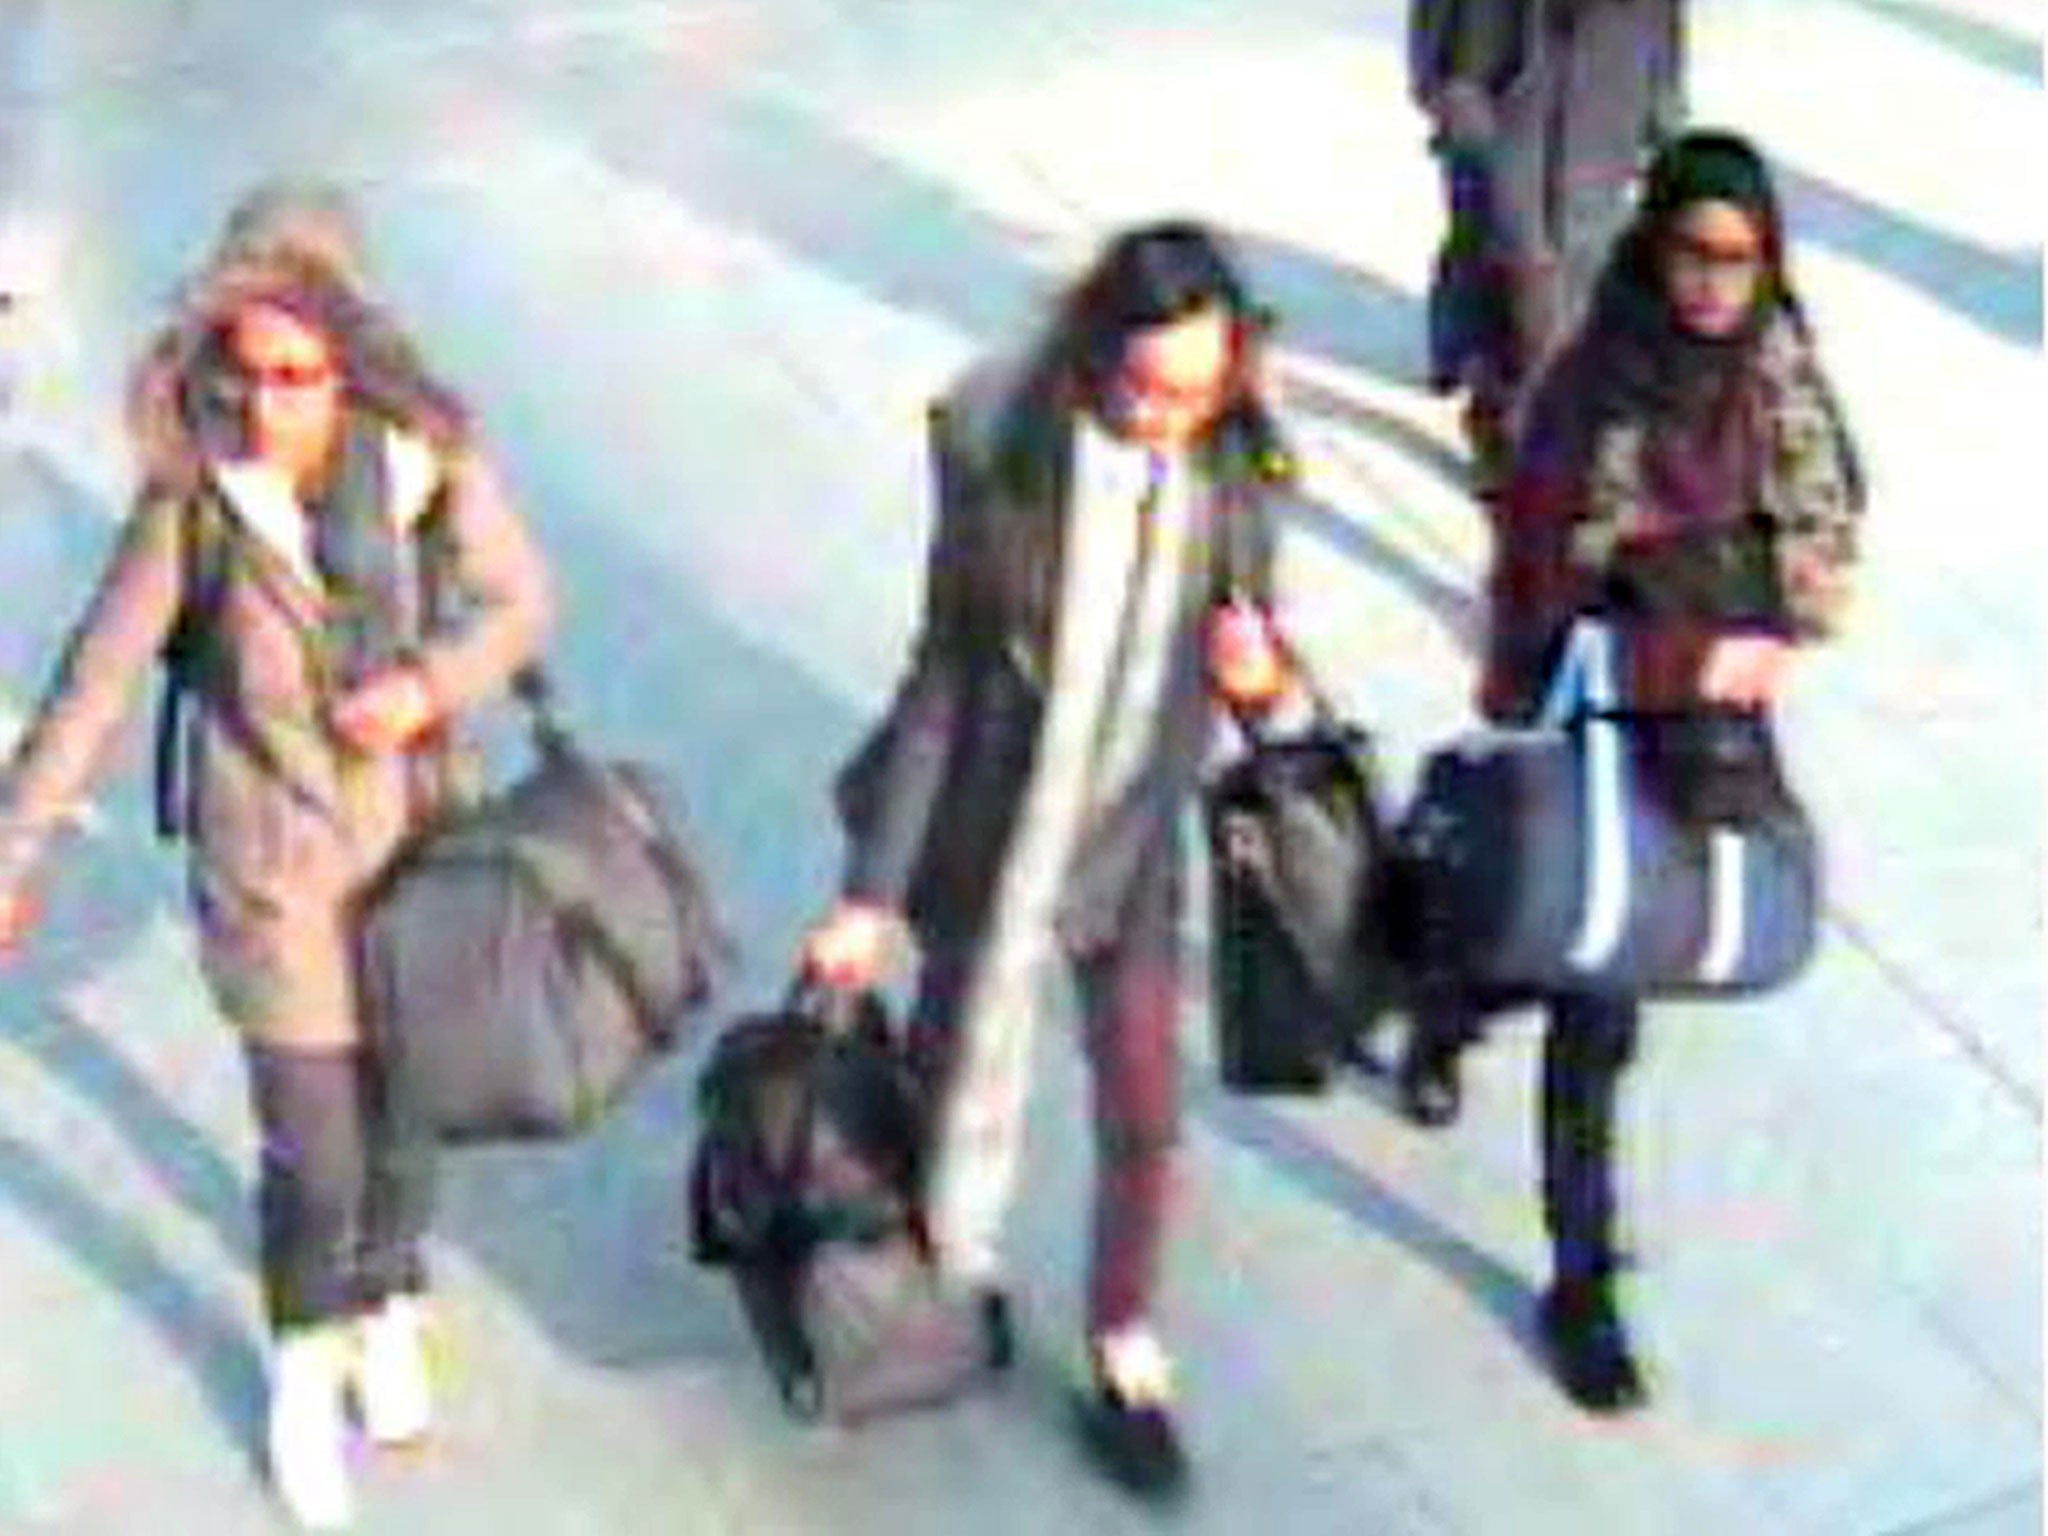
x,y
262,499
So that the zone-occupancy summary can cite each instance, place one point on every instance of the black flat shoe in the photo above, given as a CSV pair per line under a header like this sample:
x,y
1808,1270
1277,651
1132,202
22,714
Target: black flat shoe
x,y
1135,1444
1430,1091
1588,1347
998,1331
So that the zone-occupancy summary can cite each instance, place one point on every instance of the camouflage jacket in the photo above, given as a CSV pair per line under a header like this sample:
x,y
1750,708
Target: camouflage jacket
x,y
1582,522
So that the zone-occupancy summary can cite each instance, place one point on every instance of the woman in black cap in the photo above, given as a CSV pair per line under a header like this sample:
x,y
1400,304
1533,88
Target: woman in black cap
x,y
1685,469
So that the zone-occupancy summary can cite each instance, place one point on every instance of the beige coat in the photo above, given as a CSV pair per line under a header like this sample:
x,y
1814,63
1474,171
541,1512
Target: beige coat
x,y
286,825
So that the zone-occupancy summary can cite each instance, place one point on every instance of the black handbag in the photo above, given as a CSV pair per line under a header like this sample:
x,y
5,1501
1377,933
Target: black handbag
x,y
1297,848
526,958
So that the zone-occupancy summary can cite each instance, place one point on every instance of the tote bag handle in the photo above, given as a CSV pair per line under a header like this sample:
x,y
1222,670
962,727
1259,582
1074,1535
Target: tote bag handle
x,y
1583,700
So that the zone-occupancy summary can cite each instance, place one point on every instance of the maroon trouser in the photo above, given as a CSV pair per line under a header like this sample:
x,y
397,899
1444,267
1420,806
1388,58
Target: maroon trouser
x,y
1129,995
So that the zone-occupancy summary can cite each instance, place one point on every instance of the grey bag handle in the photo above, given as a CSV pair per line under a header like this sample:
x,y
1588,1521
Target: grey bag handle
x,y
558,881
533,687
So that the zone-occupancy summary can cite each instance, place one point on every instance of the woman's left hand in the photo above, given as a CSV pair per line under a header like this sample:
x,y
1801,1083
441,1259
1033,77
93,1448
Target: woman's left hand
x,y
1246,660
386,712
1746,671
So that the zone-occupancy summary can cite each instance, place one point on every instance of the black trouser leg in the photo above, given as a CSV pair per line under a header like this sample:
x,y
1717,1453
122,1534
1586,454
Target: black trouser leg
x,y
1587,1044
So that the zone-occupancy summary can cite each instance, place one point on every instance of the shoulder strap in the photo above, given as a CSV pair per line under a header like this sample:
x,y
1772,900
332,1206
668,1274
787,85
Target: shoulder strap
x,y
202,565
1584,696
206,533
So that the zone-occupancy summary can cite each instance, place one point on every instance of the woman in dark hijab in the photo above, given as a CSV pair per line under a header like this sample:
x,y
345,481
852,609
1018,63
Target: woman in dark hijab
x,y
1686,460
1686,470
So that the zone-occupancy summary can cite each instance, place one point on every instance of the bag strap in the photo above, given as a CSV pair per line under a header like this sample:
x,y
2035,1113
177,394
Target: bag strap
x,y
205,536
167,770
1584,698
1584,684
560,882
687,888
554,742
579,921
202,584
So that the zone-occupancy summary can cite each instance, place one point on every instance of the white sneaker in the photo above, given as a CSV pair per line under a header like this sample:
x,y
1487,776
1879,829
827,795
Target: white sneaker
x,y
1135,1365
392,1388
307,1436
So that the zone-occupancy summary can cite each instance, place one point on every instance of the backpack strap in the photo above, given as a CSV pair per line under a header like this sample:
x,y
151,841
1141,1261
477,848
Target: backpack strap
x,y
206,534
186,654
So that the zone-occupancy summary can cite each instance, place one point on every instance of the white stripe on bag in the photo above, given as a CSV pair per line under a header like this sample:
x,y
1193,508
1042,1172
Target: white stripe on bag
x,y
1723,948
1589,656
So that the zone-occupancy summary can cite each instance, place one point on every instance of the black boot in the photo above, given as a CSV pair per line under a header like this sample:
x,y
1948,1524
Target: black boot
x,y
1586,1048
1588,1347
1444,1021
1136,1445
998,1332
1430,1091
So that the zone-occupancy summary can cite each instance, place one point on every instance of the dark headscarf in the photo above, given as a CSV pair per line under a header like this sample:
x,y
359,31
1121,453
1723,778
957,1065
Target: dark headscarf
x,y
1686,428
1647,364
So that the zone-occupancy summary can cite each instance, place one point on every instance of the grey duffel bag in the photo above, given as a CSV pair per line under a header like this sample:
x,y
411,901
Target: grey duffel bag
x,y
528,957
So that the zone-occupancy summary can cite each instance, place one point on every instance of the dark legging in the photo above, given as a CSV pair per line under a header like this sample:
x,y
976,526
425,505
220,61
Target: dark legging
x,y
1587,1044
344,1188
